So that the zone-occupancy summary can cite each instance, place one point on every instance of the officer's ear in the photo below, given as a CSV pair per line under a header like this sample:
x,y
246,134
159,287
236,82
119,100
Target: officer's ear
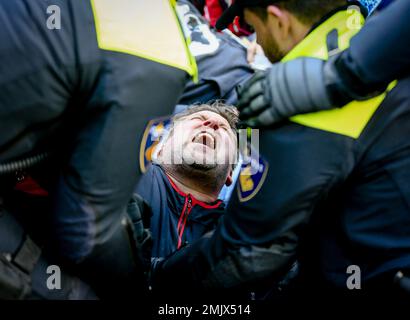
x,y
279,22
229,178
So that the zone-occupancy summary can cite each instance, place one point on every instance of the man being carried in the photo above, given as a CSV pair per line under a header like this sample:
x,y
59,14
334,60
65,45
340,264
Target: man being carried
x,y
192,165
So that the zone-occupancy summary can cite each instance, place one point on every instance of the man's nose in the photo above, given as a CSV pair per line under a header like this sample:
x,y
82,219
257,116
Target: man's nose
x,y
211,123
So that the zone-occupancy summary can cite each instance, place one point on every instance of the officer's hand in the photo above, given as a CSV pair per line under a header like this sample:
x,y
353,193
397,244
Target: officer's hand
x,y
285,90
254,97
140,214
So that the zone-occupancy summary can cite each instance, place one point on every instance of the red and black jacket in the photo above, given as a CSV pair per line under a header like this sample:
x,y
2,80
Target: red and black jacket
x,y
215,8
178,218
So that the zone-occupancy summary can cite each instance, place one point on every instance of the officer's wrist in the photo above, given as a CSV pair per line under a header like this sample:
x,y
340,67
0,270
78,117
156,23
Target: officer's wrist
x,y
343,85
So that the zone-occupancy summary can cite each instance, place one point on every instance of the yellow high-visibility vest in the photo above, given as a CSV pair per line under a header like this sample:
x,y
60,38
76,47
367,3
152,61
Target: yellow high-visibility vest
x,y
145,28
351,119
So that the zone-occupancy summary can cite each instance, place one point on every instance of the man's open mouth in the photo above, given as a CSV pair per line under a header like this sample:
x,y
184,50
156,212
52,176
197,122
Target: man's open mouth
x,y
205,138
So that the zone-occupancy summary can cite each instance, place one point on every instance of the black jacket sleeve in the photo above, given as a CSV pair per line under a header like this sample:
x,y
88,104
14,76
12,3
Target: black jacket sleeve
x,y
91,224
380,52
102,169
92,229
62,92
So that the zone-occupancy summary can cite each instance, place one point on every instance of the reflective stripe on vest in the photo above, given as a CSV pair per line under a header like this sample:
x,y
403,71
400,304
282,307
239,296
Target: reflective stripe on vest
x,y
147,29
352,118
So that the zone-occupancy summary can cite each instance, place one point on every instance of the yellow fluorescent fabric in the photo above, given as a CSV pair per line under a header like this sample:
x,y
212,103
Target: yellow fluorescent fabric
x,y
353,118
145,28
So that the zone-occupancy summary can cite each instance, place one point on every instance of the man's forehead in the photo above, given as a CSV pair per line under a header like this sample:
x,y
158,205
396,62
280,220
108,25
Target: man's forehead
x,y
206,114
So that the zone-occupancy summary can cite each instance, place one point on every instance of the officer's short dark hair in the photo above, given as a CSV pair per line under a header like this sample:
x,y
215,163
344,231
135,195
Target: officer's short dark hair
x,y
228,112
306,11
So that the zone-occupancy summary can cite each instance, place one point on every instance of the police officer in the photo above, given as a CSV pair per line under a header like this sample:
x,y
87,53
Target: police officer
x,y
377,56
330,189
78,82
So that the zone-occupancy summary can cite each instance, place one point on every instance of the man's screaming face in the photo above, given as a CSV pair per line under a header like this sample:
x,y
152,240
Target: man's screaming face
x,y
203,140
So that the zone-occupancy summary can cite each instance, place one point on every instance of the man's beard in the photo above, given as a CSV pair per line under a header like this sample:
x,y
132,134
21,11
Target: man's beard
x,y
273,52
206,173
209,176
202,167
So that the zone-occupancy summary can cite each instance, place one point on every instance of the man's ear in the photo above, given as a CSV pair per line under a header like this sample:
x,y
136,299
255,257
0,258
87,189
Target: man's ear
x,y
282,21
157,156
158,153
229,178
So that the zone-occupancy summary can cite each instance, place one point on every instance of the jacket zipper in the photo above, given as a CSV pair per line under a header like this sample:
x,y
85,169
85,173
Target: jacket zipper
x,y
183,219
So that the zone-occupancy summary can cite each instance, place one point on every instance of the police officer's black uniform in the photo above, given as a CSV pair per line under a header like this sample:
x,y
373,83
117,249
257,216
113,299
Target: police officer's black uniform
x,y
85,92
335,182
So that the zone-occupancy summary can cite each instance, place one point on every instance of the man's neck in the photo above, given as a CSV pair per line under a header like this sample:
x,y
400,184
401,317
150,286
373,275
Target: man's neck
x,y
299,32
188,186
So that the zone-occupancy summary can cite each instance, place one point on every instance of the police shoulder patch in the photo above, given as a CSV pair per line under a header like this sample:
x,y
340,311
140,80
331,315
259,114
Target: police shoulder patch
x,y
253,174
154,130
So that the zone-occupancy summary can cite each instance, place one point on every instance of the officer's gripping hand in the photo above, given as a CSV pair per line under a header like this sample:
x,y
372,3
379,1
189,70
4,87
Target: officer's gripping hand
x,y
140,214
285,90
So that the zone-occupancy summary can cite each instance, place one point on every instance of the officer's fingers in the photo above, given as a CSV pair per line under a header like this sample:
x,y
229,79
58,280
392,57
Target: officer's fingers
x,y
251,123
246,96
266,118
249,83
251,52
256,106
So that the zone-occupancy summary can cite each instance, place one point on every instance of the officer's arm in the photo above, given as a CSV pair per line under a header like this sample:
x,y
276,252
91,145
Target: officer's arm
x,y
126,76
258,237
378,55
380,52
90,221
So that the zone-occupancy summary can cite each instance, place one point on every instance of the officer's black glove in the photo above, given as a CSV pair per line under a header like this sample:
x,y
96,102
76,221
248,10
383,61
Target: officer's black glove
x,y
119,267
286,89
140,214
301,86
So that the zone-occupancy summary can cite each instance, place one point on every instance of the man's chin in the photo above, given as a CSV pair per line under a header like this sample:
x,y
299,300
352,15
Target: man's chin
x,y
201,160
275,58
202,166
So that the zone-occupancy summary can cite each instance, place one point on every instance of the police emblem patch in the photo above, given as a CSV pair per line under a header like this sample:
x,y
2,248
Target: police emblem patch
x,y
253,174
153,133
203,41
